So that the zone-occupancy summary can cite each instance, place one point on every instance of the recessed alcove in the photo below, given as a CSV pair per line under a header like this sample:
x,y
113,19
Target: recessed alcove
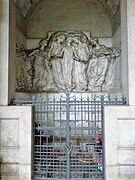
x,y
67,124
63,46
37,20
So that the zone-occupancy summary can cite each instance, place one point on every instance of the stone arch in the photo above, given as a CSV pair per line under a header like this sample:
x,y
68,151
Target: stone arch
x,y
68,15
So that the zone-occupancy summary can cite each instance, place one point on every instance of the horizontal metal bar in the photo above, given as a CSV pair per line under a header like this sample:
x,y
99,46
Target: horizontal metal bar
x,y
50,151
43,178
72,128
51,128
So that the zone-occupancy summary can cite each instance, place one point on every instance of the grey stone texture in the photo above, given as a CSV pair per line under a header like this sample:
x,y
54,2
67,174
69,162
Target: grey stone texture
x,y
67,60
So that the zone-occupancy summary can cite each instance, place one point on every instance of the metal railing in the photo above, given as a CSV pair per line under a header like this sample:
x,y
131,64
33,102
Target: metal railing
x,y
69,136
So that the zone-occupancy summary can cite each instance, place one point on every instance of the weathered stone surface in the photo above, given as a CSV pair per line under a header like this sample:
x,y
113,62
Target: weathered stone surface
x,y
69,15
66,60
26,5
119,142
16,143
9,137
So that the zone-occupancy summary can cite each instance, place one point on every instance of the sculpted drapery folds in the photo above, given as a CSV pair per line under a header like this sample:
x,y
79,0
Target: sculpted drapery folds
x,y
82,54
67,60
100,72
55,55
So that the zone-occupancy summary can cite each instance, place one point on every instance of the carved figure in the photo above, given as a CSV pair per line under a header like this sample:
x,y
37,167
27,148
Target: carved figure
x,y
68,63
66,60
39,61
98,65
81,57
21,70
114,54
55,54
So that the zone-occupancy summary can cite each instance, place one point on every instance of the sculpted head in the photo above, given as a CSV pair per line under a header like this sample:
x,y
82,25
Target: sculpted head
x,y
76,39
84,39
69,39
43,42
94,41
60,38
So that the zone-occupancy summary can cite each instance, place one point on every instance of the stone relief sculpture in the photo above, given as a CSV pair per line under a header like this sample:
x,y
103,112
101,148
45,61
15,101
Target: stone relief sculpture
x,y
82,56
100,68
55,55
66,61
39,69
21,69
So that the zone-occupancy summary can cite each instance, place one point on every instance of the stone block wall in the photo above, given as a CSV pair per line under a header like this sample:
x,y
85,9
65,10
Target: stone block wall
x,y
16,143
119,142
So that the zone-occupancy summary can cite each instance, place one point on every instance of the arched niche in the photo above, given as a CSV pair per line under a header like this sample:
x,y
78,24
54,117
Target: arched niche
x,y
91,16
62,15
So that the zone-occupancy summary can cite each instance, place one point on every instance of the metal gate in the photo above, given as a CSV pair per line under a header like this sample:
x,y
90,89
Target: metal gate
x,y
69,137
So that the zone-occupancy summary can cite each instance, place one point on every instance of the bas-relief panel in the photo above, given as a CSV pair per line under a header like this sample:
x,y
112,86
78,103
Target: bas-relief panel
x,y
68,60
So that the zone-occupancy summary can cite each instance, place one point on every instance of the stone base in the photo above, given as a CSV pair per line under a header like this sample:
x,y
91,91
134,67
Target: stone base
x,y
16,143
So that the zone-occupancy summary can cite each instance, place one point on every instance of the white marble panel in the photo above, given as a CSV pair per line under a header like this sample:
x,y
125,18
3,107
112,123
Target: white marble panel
x,y
111,173
10,177
126,171
126,156
9,155
25,136
25,172
126,132
9,169
9,132
16,151
119,142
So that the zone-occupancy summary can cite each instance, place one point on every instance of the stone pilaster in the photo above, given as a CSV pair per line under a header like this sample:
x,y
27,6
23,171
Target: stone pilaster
x,y
131,49
128,49
4,51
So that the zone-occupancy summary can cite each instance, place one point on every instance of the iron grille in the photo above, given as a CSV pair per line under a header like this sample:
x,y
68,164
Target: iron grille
x,y
69,136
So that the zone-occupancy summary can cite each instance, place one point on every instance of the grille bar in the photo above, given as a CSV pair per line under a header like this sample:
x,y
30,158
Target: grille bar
x,y
69,136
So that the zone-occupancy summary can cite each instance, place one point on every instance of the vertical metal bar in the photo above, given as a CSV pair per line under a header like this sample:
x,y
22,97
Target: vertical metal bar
x,y
52,145
60,169
40,122
35,135
44,166
88,148
47,141
75,134
103,143
68,135
82,142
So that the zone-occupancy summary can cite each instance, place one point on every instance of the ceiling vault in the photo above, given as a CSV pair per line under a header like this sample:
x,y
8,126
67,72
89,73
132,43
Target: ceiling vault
x,y
27,6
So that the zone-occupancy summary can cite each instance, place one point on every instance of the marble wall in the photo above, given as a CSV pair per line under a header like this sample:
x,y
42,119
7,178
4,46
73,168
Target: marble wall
x,y
16,143
4,48
119,142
